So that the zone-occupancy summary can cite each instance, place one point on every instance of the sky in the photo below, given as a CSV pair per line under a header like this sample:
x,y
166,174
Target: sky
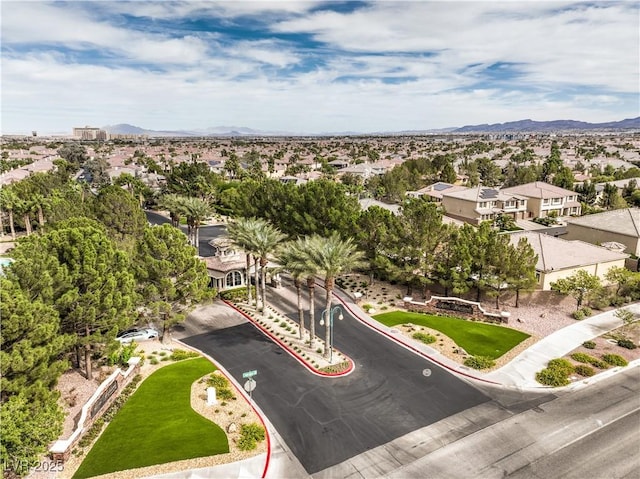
x,y
315,67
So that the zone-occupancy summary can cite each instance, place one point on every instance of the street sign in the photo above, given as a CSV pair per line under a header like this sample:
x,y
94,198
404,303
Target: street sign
x,y
249,374
250,385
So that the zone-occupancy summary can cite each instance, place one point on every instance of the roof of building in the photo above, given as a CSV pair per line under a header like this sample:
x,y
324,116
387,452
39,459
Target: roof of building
x,y
366,203
436,190
558,254
540,189
625,221
483,193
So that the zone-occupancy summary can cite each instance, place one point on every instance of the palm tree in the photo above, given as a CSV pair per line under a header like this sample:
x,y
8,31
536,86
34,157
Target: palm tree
x,y
332,256
264,241
292,257
195,210
172,203
240,233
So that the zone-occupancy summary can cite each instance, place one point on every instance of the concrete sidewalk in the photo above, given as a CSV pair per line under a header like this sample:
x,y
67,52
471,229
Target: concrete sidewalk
x,y
521,371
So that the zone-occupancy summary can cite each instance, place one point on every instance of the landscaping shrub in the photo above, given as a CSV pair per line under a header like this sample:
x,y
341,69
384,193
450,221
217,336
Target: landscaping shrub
x,y
223,391
237,294
584,370
180,354
552,377
122,354
479,362
598,363
425,338
589,344
614,360
582,313
627,343
250,435
561,364
583,358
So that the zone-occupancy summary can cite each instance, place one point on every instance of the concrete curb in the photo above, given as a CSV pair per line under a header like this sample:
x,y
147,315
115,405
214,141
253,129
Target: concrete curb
x,y
286,347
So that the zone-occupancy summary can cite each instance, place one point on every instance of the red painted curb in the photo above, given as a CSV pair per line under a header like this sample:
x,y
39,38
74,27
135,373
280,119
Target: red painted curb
x,y
289,350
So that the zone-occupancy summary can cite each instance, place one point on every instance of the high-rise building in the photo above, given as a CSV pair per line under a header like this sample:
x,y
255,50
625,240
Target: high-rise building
x,y
90,133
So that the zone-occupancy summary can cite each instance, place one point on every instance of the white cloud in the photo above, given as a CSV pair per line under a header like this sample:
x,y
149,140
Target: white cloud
x,y
33,23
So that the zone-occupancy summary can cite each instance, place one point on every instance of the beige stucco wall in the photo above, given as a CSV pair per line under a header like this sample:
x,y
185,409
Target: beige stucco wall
x,y
599,270
460,209
597,237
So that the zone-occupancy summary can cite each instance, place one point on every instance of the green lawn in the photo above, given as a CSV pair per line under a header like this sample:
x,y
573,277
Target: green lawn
x,y
157,425
477,339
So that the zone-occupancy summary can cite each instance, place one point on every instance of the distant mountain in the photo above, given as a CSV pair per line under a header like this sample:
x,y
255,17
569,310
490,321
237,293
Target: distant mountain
x,y
513,126
549,126
126,129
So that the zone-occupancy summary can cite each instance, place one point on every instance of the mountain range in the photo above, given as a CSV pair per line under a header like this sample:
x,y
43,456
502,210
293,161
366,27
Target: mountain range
x,y
521,126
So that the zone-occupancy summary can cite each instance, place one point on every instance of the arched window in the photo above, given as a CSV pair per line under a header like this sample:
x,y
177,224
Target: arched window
x,y
234,279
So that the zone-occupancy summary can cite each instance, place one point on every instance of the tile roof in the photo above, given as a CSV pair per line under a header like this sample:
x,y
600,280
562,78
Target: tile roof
x,y
625,221
540,189
558,254
483,193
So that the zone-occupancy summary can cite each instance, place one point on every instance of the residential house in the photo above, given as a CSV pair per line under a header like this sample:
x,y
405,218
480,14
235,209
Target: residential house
x,y
474,205
559,258
544,198
620,226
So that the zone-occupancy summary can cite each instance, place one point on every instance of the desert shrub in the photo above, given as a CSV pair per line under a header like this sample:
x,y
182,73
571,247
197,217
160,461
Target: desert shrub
x,y
479,362
250,436
627,343
583,358
600,364
552,377
589,344
560,364
223,391
614,360
180,354
154,361
582,313
584,370
425,338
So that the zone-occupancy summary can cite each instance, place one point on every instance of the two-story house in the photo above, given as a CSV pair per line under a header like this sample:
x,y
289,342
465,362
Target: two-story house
x,y
474,205
544,198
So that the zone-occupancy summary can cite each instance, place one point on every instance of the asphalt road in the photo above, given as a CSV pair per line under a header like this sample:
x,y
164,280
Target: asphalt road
x,y
328,420
611,452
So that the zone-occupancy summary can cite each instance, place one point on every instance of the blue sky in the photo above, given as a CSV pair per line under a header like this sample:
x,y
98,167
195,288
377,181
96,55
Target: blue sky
x,y
315,67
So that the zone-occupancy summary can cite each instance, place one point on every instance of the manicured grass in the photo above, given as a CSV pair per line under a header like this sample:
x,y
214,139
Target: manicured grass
x,y
157,425
477,339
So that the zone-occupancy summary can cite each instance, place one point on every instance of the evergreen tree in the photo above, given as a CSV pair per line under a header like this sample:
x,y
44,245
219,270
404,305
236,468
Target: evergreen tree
x,y
172,280
80,271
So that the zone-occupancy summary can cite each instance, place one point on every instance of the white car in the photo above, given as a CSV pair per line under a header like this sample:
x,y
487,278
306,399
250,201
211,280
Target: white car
x,y
139,335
